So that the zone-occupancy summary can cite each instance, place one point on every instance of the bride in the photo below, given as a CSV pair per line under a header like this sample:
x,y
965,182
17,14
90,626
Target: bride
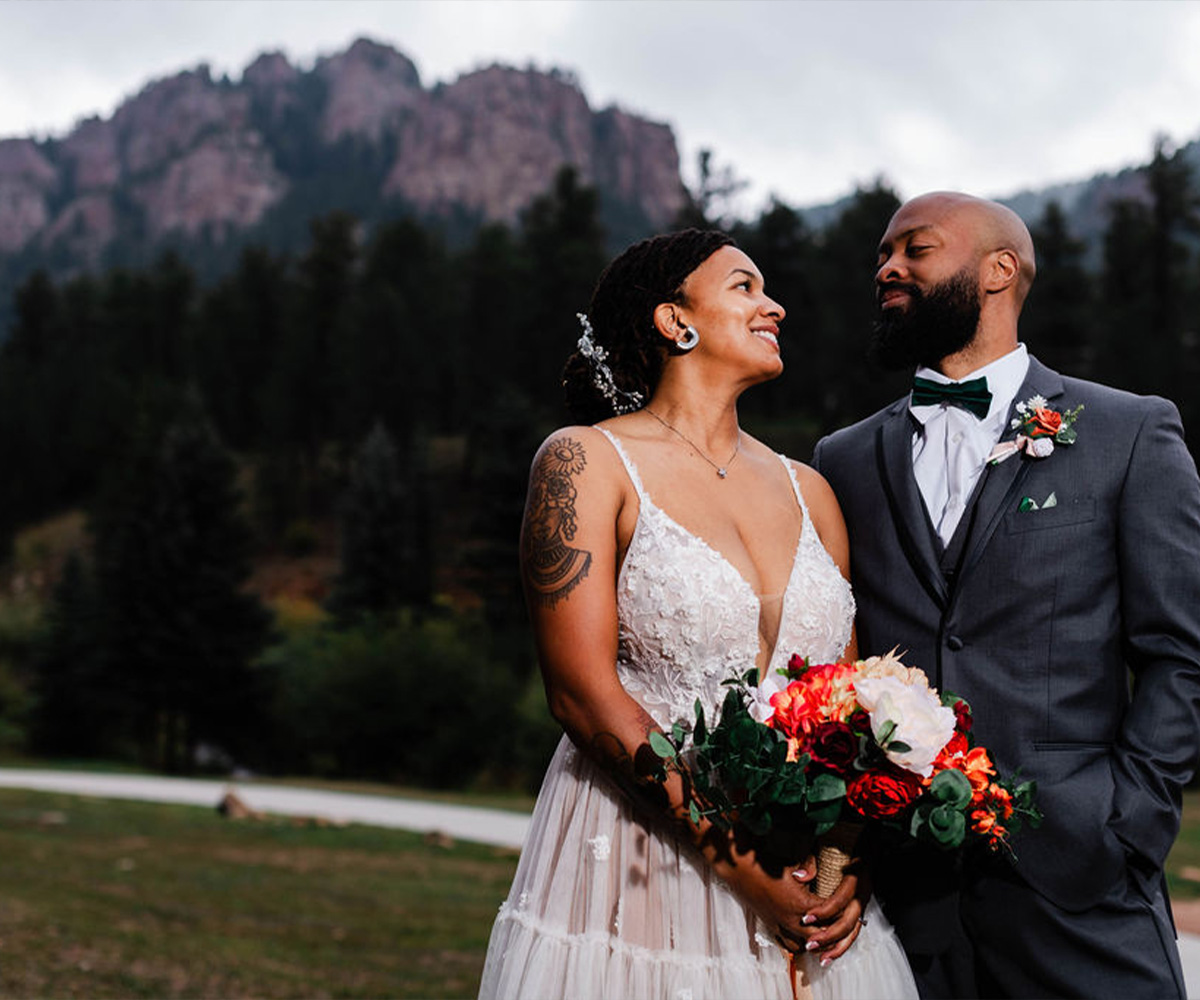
x,y
663,551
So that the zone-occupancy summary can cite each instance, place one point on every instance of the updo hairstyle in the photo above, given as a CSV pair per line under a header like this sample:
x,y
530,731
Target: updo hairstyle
x,y
630,288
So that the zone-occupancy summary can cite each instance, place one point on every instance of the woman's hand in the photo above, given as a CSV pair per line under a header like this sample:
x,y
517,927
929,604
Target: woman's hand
x,y
836,921
801,921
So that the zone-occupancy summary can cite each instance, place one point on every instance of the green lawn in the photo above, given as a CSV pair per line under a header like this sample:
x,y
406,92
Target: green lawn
x,y
124,899
1183,865
121,899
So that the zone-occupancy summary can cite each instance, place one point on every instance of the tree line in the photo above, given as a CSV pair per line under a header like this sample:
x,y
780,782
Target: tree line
x,y
387,390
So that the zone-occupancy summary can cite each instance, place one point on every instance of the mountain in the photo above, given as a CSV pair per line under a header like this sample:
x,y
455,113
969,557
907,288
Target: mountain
x,y
192,158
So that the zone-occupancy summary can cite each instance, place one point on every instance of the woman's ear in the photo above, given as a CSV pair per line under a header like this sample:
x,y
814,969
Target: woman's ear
x,y
669,322
1002,272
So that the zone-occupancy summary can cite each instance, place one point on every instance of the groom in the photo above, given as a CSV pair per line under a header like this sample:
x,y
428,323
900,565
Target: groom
x,y
1057,590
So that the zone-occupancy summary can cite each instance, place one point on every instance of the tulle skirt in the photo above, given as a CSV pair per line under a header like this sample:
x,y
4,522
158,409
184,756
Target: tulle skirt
x,y
604,907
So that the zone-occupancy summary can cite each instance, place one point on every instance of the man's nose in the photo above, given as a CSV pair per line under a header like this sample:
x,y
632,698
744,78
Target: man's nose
x,y
890,270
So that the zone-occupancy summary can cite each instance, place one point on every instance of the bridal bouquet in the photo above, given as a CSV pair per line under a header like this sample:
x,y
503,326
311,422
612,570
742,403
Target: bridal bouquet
x,y
870,741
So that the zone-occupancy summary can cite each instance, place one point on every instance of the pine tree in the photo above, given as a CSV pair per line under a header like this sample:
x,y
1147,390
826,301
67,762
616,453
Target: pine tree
x,y
1057,321
172,556
385,561
74,711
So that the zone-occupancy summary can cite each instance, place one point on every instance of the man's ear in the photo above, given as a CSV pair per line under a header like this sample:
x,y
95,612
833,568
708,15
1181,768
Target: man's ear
x,y
669,321
1002,271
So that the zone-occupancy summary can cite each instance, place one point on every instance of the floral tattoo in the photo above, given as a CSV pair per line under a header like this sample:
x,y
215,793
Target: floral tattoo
x,y
553,568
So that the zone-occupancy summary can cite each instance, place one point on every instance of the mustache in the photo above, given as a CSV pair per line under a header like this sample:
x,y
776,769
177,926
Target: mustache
x,y
912,291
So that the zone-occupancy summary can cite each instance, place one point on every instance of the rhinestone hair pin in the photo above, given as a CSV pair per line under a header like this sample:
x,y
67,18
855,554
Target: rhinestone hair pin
x,y
602,376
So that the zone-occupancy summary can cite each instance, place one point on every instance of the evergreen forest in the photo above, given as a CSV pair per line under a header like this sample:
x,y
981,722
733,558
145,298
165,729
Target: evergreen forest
x,y
269,521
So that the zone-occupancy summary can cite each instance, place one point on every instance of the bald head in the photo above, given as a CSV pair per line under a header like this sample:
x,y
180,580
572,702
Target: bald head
x,y
989,225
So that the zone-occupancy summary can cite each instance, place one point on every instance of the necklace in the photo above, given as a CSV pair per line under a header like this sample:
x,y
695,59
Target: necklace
x,y
722,470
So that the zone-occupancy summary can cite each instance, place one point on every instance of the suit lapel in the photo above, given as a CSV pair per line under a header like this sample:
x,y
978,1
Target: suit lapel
x,y
894,455
1001,482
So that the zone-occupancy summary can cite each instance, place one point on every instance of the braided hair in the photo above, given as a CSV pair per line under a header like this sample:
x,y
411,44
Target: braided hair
x,y
630,288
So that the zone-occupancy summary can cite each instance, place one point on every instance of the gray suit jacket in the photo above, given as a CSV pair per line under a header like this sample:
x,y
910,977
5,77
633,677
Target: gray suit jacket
x,y
1051,616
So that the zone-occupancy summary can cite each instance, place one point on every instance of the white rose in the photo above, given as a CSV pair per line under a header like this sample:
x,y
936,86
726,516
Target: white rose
x,y
1039,447
760,707
922,721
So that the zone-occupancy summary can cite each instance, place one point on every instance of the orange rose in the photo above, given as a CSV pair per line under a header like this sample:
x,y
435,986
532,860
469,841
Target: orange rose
x,y
982,820
1046,423
977,766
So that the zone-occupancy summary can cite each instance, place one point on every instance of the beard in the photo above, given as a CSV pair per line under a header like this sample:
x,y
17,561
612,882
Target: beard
x,y
933,325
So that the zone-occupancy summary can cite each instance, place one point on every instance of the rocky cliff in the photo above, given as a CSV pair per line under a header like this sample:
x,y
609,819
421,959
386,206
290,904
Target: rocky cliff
x,y
199,157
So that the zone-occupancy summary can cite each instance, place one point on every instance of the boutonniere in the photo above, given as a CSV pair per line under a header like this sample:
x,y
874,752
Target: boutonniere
x,y
1038,428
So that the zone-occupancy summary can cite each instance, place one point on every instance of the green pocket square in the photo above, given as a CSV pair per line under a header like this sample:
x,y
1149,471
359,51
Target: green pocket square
x,y
1028,503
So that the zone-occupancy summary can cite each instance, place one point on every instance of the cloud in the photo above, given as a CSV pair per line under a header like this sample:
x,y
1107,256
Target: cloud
x,y
803,99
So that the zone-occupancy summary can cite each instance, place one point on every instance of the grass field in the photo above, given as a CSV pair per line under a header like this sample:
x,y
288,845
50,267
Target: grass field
x,y
123,899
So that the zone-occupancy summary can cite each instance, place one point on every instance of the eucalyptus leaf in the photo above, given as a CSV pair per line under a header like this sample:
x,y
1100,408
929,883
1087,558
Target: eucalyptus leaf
x,y
826,787
898,746
952,787
662,746
885,732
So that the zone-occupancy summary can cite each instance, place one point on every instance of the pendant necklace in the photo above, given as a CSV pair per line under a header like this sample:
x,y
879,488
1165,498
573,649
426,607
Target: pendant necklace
x,y
722,470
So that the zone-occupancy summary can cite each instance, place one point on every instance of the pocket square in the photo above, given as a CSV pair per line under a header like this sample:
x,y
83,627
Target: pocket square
x,y
1028,503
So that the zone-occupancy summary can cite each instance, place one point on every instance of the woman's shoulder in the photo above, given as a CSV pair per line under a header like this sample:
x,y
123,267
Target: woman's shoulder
x,y
813,485
580,452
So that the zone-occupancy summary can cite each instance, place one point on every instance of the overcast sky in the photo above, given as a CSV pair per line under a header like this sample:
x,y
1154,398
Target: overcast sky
x,y
803,99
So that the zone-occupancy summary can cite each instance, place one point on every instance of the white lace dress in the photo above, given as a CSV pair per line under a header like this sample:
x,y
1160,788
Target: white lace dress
x,y
604,906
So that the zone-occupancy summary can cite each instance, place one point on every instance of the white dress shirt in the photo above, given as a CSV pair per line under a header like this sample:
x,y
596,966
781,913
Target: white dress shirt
x,y
951,446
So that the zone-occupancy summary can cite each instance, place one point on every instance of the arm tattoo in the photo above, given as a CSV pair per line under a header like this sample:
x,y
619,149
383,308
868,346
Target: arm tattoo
x,y
553,568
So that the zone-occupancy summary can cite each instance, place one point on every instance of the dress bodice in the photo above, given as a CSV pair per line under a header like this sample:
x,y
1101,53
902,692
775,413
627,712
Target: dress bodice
x,y
688,620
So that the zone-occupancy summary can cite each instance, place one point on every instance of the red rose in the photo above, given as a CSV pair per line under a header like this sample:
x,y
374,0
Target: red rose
x,y
832,745
1046,423
962,716
879,794
797,664
860,720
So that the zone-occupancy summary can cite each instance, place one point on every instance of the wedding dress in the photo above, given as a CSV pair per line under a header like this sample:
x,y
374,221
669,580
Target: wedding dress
x,y
604,905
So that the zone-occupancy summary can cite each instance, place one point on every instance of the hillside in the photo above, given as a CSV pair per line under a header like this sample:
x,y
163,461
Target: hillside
x,y
201,162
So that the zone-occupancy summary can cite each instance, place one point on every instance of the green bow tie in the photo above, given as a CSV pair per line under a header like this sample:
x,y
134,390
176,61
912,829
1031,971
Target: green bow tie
x,y
972,396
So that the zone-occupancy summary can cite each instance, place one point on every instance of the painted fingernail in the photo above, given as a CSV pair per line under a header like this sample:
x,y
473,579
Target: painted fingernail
x,y
808,918
800,875
813,946
825,962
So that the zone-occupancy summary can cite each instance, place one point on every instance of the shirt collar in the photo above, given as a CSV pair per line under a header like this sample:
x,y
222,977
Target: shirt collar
x,y
1005,376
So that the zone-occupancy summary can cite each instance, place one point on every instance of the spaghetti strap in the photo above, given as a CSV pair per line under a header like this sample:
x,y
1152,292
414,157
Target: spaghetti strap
x,y
787,464
627,462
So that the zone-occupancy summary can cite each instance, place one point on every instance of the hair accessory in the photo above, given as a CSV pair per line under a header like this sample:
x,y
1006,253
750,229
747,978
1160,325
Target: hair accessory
x,y
688,340
602,376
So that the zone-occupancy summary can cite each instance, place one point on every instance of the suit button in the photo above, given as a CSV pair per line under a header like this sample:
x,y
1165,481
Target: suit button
x,y
954,644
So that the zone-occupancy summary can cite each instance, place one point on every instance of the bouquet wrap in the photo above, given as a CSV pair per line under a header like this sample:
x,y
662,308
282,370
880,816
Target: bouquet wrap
x,y
835,850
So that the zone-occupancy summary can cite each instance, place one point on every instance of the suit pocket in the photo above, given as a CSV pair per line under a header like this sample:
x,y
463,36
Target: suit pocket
x,y
1076,512
1075,747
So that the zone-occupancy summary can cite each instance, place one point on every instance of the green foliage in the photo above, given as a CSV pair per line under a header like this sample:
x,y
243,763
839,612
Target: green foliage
x,y
175,630
384,538
400,698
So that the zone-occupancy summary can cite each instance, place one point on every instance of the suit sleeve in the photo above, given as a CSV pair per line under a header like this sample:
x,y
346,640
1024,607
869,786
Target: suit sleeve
x,y
816,455
1159,561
